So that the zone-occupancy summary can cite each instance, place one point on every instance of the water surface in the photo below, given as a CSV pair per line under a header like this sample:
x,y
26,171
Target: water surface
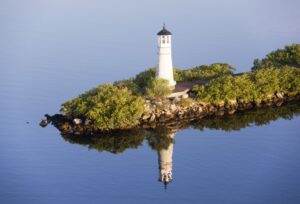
x,y
250,157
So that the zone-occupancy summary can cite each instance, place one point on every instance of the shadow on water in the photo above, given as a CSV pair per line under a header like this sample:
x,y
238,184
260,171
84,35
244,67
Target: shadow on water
x,y
161,139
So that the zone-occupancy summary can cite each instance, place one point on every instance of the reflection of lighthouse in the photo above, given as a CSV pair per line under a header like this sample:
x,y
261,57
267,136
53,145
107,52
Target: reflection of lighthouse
x,y
165,162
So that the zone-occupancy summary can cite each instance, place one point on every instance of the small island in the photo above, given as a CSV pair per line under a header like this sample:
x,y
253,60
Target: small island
x,y
164,94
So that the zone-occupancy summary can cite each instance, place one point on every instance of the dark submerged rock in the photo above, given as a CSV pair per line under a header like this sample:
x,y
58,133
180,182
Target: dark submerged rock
x,y
43,123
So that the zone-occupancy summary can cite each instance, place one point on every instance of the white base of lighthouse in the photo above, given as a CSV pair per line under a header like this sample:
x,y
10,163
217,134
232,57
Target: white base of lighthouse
x,y
165,66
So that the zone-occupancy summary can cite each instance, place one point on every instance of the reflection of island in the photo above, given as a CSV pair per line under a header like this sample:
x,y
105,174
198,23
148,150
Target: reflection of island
x,y
113,143
255,117
161,139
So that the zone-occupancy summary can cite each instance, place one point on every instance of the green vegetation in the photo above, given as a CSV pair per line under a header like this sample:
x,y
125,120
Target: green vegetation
x,y
289,56
120,105
185,102
251,86
158,88
130,84
203,72
143,79
107,106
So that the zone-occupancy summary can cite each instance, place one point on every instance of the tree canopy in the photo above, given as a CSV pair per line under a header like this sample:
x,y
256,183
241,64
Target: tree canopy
x,y
107,106
158,88
251,86
289,56
203,72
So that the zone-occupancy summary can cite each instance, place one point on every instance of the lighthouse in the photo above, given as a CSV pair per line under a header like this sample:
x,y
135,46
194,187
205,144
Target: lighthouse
x,y
164,69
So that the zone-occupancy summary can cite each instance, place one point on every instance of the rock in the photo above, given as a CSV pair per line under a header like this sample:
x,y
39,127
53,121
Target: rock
x,y
200,109
212,109
77,121
152,118
43,123
48,118
220,113
158,103
176,99
65,127
279,95
180,114
146,116
249,105
173,107
168,114
87,122
185,96
279,103
230,112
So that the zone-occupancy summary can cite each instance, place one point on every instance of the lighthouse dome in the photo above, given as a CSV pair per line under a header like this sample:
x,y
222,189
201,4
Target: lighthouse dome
x,y
164,31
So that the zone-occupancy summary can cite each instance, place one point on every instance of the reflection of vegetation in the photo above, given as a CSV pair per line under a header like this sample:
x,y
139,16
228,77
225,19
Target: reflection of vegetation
x,y
120,141
160,137
113,143
241,120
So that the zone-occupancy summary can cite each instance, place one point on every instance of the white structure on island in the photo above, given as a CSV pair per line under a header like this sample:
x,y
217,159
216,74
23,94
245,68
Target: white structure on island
x,y
164,69
166,163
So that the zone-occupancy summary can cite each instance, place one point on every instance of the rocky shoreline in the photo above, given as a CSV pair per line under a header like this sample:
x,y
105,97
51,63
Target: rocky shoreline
x,y
198,110
168,111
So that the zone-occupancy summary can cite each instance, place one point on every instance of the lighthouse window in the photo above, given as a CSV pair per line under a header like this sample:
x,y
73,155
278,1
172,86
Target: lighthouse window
x,y
168,39
163,39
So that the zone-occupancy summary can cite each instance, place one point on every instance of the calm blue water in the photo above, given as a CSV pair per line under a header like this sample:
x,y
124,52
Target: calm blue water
x,y
258,164
50,51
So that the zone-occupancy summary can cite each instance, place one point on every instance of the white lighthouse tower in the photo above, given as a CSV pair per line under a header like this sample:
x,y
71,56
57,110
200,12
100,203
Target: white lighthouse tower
x,y
164,68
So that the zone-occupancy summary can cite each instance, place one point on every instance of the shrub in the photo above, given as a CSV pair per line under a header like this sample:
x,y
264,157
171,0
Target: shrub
x,y
158,88
186,102
108,107
143,79
203,72
289,56
130,84
251,86
290,80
